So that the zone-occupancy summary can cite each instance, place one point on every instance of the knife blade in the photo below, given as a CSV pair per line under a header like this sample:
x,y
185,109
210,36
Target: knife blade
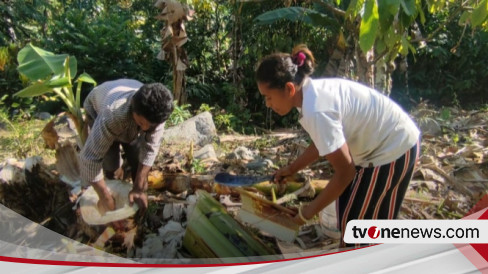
x,y
240,180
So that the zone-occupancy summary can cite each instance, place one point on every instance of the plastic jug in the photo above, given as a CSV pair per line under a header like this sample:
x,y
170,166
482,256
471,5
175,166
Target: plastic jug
x,y
328,221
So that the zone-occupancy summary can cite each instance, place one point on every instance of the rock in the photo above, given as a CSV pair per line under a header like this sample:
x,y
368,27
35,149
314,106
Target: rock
x,y
429,126
242,153
11,172
271,152
42,115
260,164
206,152
200,129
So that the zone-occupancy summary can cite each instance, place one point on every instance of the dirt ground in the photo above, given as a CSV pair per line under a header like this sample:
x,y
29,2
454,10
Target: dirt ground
x,y
449,183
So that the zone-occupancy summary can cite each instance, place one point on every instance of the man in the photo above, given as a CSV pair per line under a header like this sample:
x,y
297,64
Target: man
x,y
129,114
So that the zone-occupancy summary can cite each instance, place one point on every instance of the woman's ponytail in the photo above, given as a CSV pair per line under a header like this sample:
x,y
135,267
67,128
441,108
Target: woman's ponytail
x,y
279,68
303,58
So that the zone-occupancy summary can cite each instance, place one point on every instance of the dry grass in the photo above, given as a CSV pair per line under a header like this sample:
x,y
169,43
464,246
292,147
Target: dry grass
x,y
22,139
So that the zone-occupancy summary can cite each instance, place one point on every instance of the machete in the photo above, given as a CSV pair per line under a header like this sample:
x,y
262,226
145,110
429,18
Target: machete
x,y
241,180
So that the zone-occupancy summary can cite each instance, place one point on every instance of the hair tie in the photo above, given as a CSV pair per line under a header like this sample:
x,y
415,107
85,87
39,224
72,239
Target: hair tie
x,y
299,59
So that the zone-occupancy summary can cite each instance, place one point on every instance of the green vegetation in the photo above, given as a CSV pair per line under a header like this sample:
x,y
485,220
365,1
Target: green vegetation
x,y
50,73
197,167
179,114
20,138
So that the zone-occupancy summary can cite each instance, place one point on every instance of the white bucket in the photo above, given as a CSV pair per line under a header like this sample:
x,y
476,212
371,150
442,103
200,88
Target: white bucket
x,y
120,192
328,221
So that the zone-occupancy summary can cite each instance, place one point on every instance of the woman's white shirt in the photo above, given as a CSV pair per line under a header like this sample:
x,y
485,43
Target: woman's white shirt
x,y
376,129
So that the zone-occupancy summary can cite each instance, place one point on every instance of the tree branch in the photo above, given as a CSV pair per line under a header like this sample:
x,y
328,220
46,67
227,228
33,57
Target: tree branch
x,y
432,34
331,8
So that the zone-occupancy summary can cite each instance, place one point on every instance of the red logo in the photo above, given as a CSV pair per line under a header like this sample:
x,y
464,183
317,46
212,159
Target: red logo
x,y
373,232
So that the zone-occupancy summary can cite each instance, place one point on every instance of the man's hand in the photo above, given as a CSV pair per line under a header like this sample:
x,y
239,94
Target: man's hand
x,y
139,197
119,174
138,192
105,200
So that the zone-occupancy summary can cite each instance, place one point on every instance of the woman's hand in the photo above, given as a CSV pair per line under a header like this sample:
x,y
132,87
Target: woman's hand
x,y
302,216
309,156
279,177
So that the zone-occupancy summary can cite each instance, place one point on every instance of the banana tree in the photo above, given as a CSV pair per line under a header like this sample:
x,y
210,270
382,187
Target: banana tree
x,y
173,37
53,73
370,34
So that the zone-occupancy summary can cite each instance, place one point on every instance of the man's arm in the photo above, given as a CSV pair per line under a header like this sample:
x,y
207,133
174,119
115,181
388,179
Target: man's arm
x,y
105,200
138,192
98,142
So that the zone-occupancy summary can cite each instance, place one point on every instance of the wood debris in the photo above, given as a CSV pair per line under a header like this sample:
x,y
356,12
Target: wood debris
x,y
268,216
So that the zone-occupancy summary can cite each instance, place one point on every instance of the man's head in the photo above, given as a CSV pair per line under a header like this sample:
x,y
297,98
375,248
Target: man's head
x,y
152,105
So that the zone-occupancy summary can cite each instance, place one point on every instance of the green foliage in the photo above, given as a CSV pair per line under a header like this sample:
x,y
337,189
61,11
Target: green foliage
x,y
223,121
451,69
199,92
224,49
23,20
369,26
298,14
445,114
11,82
377,21
111,43
208,48
265,142
477,16
179,114
227,38
205,107
37,64
197,167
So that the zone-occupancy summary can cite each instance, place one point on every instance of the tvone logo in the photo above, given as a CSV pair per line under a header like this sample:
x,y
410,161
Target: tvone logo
x,y
373,232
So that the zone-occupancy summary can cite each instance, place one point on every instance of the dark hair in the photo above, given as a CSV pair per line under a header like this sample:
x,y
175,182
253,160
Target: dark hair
x,y
153,102
279,68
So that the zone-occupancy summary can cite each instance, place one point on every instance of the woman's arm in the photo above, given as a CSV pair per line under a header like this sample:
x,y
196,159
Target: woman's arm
x,y
310,155
344,172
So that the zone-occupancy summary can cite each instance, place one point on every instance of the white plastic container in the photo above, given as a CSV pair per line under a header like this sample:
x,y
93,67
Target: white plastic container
x,y
328,221
120,191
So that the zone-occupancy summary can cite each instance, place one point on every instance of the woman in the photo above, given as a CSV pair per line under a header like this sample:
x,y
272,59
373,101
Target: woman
x,y
371,143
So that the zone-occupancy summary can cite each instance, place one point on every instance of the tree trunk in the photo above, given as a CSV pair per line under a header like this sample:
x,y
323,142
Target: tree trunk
x,y
364,67
61,135
236,46
173,37
381,77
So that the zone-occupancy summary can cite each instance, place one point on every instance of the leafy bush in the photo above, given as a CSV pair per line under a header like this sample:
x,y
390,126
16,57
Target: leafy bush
x,y
450,69
23,20
179,114
11,82
109,45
